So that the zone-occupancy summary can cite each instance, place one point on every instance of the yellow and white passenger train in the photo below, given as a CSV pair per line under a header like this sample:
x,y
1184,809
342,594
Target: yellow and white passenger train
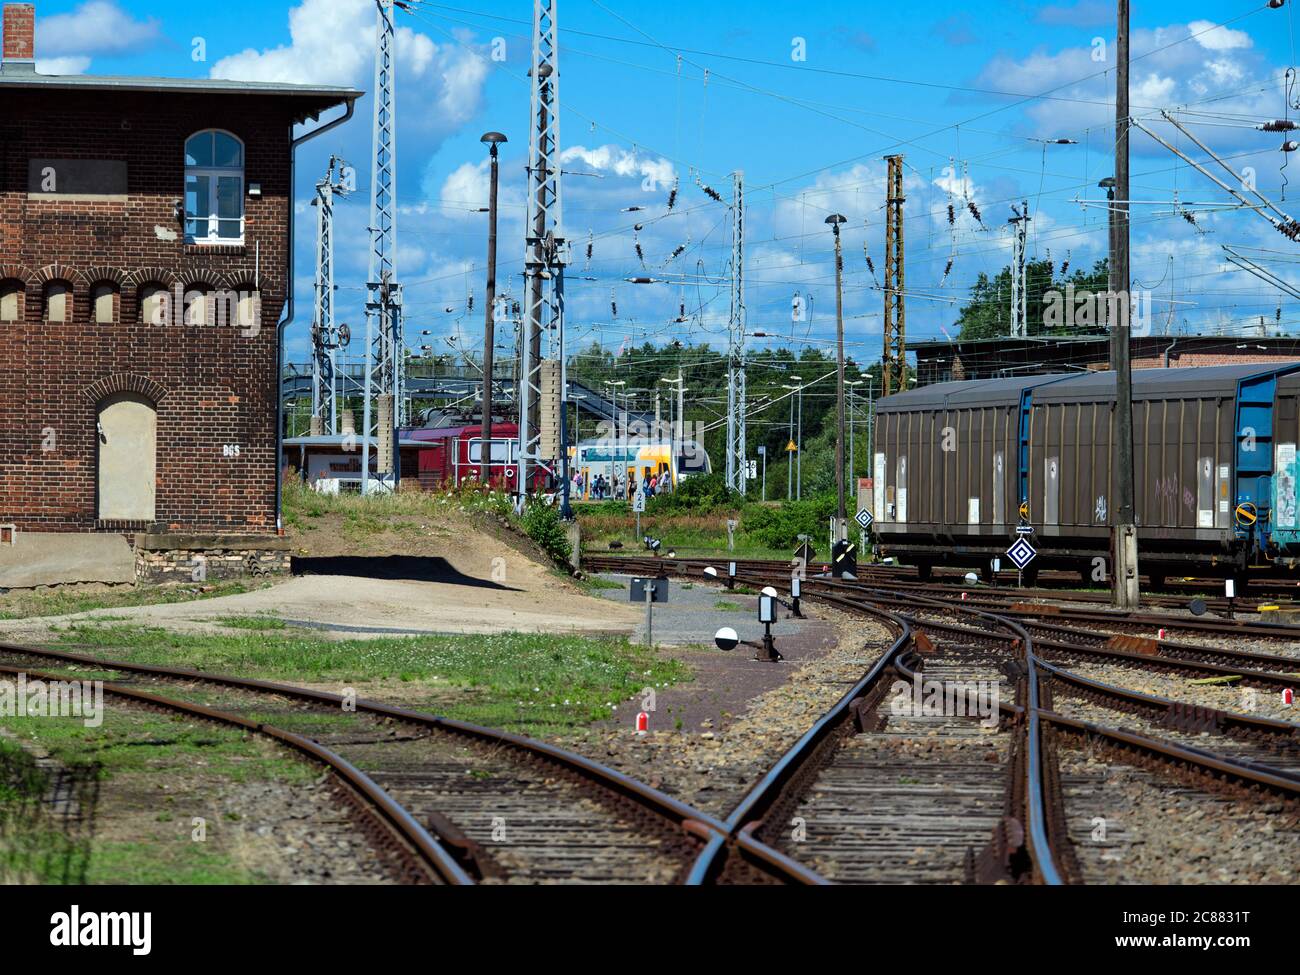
x,y
636,462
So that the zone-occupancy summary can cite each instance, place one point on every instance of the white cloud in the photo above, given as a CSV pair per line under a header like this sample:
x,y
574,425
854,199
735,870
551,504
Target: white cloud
x,y
96,27
1217,38
620,162
69,65
1167,74
332,42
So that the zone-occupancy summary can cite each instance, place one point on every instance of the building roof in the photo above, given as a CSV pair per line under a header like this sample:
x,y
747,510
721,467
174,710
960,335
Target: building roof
x,y
23,75
934,345
1076,386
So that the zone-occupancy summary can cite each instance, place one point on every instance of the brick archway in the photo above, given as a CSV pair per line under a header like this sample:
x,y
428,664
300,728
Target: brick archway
x,y
125,382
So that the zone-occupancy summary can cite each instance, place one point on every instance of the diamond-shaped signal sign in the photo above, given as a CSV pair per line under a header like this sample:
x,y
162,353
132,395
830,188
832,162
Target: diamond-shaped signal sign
x,y
863,518
1021,553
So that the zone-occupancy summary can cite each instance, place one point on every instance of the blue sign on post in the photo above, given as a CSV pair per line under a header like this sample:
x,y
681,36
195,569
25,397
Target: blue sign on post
x,y
1021,553
864,518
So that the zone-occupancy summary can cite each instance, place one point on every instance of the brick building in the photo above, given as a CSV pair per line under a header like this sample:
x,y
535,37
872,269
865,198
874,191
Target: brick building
x,y
145,264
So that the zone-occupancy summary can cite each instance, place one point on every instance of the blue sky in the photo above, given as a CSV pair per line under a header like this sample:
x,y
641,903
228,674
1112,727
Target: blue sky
x,y
691,92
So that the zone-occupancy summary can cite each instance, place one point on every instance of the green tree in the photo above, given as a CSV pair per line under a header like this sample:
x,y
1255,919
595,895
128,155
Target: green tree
x,y
987,313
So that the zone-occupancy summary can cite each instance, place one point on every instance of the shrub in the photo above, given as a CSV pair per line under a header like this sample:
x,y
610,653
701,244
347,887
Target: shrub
x,y
542,523
781,526
699,494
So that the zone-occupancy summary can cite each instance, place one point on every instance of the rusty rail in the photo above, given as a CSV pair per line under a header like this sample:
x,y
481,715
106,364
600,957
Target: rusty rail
x,y
427,849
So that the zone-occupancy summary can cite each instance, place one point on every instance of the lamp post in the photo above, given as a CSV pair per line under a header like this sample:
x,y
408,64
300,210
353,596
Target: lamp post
x,y
834,220
577,439
797,467
853,457
492,140
675,427
615,384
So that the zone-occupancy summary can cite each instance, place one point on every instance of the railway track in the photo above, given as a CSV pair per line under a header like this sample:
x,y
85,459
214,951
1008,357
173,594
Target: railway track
x,y
410,853
1052,585
489,805
848,769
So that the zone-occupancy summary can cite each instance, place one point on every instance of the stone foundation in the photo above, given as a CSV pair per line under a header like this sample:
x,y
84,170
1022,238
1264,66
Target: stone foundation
x,y
204,558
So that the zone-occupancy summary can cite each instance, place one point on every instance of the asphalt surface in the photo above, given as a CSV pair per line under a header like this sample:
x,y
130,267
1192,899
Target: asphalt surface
x,y
691,616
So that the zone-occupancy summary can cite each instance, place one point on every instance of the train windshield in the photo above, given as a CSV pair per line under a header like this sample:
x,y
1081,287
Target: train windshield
x,y
499,451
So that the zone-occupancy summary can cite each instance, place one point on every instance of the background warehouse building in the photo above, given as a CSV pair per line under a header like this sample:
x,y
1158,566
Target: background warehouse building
x,y
144,265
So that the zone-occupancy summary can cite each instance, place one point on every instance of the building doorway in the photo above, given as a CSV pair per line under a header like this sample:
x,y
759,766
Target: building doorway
x,y
127,432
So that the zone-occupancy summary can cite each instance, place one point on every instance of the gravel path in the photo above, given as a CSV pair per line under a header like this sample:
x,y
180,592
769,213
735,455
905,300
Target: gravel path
x,y
1133,826
712,766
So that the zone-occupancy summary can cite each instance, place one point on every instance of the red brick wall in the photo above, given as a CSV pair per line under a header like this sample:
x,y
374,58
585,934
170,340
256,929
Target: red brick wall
x,y
212,385
1186,360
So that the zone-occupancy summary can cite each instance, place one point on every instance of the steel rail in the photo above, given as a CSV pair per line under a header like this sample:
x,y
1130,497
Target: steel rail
x,y
764,793
1218,768
748,813
1210,719
429,850
694,822
1274,781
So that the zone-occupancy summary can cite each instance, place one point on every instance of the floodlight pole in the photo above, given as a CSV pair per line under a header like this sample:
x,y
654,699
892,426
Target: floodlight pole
x,y
1125,592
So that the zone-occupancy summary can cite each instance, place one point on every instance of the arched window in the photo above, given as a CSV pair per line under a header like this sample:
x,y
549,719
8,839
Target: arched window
x,y
11,301
214,188
58,302
153,305
196,305
249,313
103,302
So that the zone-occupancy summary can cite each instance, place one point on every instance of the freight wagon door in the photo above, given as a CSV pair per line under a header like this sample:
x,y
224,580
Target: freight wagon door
x,y
128,436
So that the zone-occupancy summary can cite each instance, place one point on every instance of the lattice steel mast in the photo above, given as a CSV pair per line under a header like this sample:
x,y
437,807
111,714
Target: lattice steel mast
x,y
895,354
325,337
1019,305
384,341
736,461
544,260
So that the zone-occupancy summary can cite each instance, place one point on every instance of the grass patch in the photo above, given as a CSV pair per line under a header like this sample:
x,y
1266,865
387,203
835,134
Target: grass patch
x,y
525,681
126,862
174,744
251,622
58,602
683,534
405,511
138,753
724,604
593,584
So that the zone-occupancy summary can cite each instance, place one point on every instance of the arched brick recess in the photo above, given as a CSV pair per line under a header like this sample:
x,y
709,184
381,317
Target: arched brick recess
x,y
60,272
103,272
16,272
130,298
125,382
205,278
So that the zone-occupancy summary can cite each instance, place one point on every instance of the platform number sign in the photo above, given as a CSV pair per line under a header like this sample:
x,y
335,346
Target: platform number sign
x,y
863,518
1021,553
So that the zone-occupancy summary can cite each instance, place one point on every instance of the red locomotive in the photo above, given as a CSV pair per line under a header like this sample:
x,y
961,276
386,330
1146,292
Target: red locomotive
x,y
454,455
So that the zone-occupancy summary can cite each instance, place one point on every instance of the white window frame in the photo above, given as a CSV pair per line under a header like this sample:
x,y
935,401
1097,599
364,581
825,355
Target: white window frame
x,y
504,443
214,174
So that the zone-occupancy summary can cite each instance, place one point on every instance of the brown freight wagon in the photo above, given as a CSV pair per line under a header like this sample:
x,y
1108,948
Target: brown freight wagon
x,y
958,466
